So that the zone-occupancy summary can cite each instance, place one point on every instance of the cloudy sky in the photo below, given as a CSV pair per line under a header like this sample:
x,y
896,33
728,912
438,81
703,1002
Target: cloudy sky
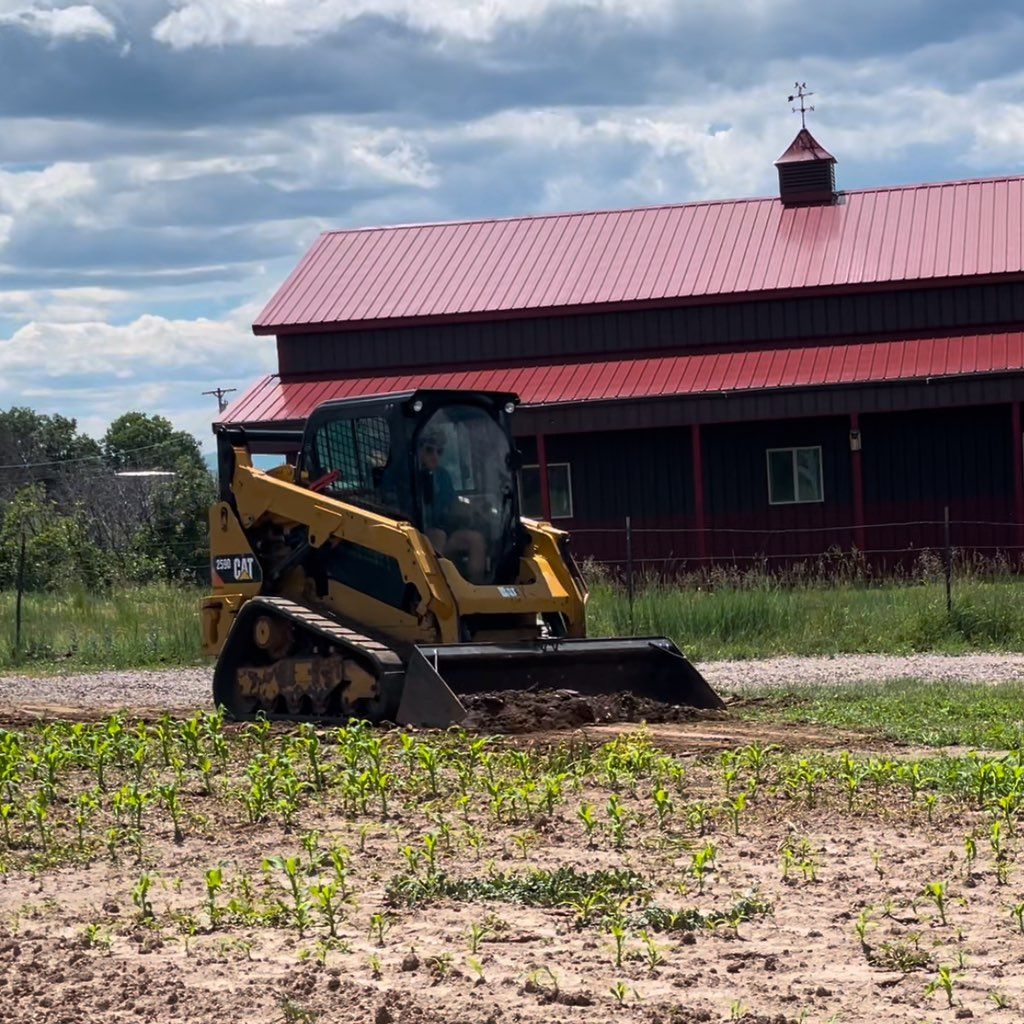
x,y
164,163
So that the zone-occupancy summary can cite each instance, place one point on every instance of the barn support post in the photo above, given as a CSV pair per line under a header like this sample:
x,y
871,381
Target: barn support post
x,y
698,492
857,472
1017,447
542,471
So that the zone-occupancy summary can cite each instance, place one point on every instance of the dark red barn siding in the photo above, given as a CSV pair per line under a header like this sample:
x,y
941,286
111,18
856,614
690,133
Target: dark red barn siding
x,y
917,463
742,523
644,474
759,324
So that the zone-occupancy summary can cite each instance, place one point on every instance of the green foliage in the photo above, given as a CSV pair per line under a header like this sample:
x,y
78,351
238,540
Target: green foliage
x,y
933,712
562,887
59,553
761,615
137,440
83,525
122,628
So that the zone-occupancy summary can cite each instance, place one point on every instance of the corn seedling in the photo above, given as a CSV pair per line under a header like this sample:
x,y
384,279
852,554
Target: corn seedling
x,y
94,937
862,927
1017,914
616,821
476,934
936,892
295,1013
702,862
735,807
140,896
663,807
945,981
310,842
291,867
430,849
620,991
325,899
999,1000
619,934
698,814
970,853
652,952
380,925
214,883
587,817
168,796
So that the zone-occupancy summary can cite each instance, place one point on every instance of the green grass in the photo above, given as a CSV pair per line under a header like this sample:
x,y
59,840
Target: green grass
x,y
130,628
159,625
769,619
909,710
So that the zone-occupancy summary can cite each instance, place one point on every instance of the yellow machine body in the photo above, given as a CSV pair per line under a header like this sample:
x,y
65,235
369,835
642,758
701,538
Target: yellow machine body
x,y
295,638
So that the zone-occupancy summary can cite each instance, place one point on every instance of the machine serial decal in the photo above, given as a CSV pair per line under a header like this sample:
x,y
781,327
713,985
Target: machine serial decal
x,y
237,569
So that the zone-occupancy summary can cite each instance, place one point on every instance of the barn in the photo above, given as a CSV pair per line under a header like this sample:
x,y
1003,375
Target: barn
x,y
737,380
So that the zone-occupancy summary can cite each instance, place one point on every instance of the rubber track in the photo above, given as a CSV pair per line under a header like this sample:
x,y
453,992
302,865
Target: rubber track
x,y
383,660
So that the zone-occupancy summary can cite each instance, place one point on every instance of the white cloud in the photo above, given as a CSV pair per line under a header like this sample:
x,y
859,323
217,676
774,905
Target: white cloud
x,y
148,345
79,21
294,22
55,189
61,305
95,370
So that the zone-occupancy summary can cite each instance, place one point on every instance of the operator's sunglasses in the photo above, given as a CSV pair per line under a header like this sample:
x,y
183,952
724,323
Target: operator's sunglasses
x,y
434,449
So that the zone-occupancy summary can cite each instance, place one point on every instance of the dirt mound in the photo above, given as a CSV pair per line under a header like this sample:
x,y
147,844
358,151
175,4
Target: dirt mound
x,y
518,711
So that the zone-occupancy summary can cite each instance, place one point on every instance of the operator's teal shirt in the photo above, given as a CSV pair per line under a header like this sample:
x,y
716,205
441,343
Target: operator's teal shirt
x,y
437,514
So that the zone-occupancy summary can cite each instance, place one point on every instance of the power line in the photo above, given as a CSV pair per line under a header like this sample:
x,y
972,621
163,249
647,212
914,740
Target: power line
x,y
89,458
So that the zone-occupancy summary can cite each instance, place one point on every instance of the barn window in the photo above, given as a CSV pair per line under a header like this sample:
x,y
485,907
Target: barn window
x,y
794,476
559,491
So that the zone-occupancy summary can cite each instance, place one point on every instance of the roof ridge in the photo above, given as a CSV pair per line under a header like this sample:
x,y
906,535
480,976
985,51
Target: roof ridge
x,y
557,214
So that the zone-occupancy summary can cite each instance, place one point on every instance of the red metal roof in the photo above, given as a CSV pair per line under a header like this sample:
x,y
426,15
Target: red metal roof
x,y
653,255
274,399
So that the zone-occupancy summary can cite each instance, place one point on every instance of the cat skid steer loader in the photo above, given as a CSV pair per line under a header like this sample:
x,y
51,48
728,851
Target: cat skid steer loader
x,y
389,572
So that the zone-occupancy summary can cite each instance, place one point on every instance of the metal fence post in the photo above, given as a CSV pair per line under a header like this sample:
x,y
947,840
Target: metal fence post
x,y
20,585
629,571
948,564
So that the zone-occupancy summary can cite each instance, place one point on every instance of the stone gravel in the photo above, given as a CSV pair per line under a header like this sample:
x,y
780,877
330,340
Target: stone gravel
x,y
182,689
767,673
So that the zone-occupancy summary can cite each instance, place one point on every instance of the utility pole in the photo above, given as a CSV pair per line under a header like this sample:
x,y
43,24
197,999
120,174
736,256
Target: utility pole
x,y
220,393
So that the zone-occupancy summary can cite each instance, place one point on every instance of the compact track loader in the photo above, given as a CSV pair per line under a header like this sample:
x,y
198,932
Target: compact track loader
x,y
388,572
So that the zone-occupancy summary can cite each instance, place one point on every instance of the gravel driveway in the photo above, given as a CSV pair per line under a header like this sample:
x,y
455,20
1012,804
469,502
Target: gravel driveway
x,y
185,688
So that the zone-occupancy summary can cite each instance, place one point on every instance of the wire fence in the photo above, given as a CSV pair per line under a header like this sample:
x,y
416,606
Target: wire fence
x,y
936,547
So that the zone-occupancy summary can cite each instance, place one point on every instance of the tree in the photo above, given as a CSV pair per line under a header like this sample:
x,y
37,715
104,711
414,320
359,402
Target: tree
x,y
86,525
176,533
59,551
138,441
39,448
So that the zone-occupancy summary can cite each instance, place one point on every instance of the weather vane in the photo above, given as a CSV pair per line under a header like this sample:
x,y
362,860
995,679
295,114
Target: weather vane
x,y
801,94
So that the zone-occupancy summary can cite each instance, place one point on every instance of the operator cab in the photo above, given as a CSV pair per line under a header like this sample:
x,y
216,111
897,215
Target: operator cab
x,y
444,461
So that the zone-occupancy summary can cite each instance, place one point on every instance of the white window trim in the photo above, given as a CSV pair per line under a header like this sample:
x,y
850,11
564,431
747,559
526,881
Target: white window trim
x,y
792,451
568,477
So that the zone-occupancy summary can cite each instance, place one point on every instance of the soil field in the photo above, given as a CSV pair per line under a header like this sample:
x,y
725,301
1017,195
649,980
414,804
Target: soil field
x,y
187,689
183,869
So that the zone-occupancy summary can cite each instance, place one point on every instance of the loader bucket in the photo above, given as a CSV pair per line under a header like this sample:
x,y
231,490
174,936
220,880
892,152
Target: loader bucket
x,y
650,667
